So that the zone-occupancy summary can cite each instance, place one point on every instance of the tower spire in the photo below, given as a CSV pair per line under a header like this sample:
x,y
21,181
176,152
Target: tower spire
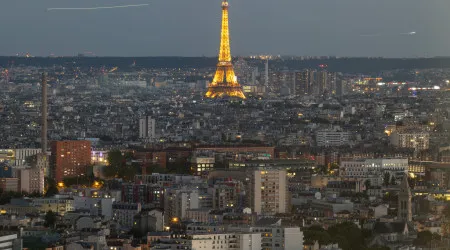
x,y
404,201
224,82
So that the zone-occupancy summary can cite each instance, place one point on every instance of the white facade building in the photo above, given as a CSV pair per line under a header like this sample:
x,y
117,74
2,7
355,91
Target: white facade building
x,y
32,180
10,241
414,139
17,157
147,129
374,169
56,204
331,138
178,201
268,191
123,213
220,241
275,236
96,206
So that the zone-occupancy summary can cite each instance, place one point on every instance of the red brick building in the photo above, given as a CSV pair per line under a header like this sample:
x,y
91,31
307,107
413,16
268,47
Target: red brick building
x,y
70,158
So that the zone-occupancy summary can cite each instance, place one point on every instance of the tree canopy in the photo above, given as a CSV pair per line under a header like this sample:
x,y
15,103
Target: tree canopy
x,y
50,219
51,188
347,235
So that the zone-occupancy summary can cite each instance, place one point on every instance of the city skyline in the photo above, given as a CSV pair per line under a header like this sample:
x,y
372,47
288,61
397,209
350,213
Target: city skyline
x,y
344,28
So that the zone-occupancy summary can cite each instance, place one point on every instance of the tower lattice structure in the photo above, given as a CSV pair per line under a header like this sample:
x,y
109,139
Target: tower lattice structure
x,y
225,82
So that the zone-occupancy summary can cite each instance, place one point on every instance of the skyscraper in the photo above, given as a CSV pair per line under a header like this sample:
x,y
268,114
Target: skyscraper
x,y
303,81
321,83
147,129
225,81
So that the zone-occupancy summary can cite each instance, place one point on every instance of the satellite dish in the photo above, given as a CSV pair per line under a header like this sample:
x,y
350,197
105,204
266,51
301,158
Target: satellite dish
x,y
318,196
247,210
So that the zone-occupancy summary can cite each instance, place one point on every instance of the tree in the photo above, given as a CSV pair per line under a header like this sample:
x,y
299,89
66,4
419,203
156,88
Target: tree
x,y
5,197
367,184
127,172
342,242
378,248
334,166
317,233
128,156
51,187
180,166
322,169
137,234
115,158
110,171
412,182
423,238
347,235
446,211
50,219
155,168
436,236
393,181
386,178
118,165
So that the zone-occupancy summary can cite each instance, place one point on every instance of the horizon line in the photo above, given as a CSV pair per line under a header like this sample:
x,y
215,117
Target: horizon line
x,y
248,56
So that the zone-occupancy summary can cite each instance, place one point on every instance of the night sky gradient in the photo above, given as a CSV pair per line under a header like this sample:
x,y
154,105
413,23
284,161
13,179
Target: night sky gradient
x,y
192,28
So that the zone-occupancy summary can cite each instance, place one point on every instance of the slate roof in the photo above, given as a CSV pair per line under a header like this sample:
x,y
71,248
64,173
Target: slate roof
x,y
389,227
267,221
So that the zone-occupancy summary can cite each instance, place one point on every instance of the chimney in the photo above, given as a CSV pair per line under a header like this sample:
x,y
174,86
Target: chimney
x,y
44,111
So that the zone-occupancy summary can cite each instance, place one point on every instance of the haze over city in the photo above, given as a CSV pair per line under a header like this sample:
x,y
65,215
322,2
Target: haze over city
x,y
319,125
189,28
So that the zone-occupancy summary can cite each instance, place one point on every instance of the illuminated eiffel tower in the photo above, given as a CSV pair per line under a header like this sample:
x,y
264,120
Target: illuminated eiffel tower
x,y
224,82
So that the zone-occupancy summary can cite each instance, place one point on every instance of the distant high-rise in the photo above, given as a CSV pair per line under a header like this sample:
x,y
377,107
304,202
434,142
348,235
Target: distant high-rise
x,y
321,82
332,83
225,81
147,129
303,81
341,88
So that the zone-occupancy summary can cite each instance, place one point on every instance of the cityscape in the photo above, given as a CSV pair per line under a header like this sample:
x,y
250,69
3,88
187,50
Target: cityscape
x,y
258,152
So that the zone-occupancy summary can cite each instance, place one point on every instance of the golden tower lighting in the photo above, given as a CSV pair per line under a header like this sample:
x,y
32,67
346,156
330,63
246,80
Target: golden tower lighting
x,y
224,82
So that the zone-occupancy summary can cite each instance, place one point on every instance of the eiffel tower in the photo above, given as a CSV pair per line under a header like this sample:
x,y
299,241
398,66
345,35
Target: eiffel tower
x,y
225,81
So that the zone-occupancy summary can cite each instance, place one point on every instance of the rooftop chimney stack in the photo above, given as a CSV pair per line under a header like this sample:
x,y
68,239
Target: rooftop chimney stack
x,y
44,111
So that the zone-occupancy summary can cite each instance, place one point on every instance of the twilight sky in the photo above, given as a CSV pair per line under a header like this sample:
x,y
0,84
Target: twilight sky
x,y
191,27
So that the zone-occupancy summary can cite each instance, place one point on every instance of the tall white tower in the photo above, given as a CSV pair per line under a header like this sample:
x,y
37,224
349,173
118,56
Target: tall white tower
x,y
147,129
